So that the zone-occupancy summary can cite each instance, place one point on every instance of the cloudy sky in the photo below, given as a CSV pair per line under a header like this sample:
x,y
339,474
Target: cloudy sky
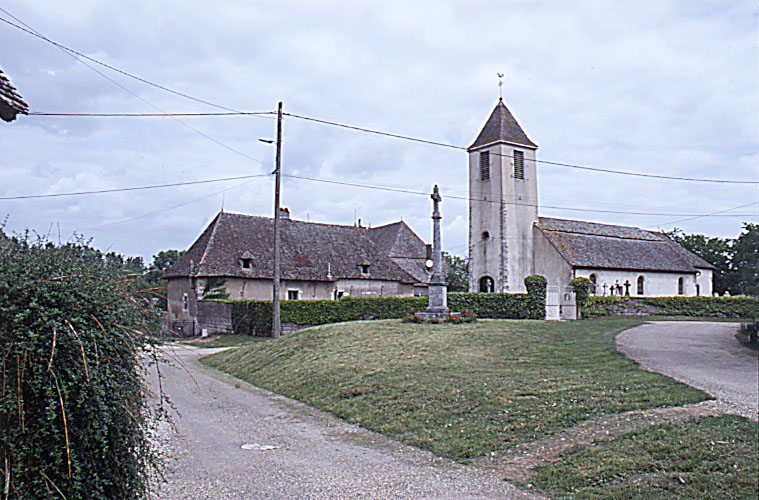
x,y
659,87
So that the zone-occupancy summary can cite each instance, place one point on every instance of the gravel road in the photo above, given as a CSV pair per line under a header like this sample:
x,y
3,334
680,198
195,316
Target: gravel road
x,y
703,355
235,441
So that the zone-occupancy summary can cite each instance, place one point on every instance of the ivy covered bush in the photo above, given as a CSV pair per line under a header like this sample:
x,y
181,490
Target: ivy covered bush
x,y
253,317
74,417
720,307
581,287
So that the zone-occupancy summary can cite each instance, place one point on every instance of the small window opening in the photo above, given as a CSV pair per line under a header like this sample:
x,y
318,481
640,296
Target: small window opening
x,y
641,281
519,164
485,165
292,295
364,268
185,302
593,283
485,236
246,263
680,286
486,284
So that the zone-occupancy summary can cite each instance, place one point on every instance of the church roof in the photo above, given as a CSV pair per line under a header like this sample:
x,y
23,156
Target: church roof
x,y
309,251
399,242
604,246
502,126
11,103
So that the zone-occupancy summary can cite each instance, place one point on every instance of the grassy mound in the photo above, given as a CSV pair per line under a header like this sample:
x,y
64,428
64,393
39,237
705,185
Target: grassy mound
x,y
460,391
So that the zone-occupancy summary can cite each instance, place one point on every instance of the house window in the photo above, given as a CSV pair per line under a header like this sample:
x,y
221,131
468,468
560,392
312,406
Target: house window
x,y
593,283
485,236
518,164
680,286
292,295
485,165
246,263
486,284
185,302
641,280
364,268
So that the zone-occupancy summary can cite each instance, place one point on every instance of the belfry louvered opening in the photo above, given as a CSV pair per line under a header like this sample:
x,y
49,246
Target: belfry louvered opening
x,y
518,164
484,165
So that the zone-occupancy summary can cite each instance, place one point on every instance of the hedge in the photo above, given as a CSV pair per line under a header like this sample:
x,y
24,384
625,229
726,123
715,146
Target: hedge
x,y
74,415
253,317
722,307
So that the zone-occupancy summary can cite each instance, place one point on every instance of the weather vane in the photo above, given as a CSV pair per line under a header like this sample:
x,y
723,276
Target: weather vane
x,y
500,85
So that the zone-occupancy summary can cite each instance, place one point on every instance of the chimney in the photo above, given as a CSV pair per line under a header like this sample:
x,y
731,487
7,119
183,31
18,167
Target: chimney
x,y
284,213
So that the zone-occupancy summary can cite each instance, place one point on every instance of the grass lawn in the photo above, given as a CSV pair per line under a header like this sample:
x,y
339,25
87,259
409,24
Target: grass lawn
x,y
460,391
708,457
226,340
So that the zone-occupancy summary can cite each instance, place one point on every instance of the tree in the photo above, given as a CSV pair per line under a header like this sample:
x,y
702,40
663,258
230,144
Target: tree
x,y
744,274
164,259
457,277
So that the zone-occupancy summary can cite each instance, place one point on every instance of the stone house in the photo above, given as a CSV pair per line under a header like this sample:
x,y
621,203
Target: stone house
x,y
509,241
318,262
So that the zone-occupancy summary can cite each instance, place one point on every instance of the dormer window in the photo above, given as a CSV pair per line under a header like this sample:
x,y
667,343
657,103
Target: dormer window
x,y
519,164
364,268
246,260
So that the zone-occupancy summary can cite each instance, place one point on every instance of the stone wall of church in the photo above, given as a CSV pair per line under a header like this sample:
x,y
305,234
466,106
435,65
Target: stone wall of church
x,y
655,284
502,212
549,263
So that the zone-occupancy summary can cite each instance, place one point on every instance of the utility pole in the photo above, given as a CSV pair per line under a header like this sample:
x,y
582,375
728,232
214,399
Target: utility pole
x,y
275,323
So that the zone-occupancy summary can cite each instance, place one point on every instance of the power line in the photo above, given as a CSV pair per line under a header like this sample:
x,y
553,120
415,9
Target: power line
x,y
707,215
154,115
547,162
499,201
71,52
137,188
26,28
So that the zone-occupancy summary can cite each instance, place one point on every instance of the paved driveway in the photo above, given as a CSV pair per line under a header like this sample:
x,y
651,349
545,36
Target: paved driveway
x,y
705,355
234,441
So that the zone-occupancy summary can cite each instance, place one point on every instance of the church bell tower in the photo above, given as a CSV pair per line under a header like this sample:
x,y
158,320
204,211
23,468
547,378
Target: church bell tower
x,y
503,205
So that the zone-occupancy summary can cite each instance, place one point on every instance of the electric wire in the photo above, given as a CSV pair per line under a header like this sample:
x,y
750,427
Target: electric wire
x,y
547,162
154,115
135,188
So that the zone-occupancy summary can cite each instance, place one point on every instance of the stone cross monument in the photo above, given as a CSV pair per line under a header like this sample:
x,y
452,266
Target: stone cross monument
x,y
437,289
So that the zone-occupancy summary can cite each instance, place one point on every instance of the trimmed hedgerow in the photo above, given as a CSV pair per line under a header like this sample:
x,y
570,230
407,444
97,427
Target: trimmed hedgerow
x,y
722,307
253,317
74,418
581,287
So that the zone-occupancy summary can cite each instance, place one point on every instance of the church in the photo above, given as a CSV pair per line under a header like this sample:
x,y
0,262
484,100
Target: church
x,y
509,241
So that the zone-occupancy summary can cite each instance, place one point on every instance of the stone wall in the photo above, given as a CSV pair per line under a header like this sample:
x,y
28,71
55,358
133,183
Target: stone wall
x,y
216,317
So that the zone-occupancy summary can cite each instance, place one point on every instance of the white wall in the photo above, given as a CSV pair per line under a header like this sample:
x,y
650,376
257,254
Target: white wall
x,y
505,208
655,284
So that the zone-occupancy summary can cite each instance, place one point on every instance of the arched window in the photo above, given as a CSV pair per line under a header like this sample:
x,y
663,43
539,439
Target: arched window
x,y
640,285
593,283
680,286
485,236
486,284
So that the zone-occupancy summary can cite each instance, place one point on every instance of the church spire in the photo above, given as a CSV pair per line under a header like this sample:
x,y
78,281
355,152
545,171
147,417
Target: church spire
x,y
502,127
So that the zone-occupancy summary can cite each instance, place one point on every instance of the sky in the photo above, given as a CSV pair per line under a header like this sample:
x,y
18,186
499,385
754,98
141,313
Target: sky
x,y
656,87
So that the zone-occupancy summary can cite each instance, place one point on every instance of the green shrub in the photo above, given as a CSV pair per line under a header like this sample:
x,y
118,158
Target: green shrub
x,y
722,307
581,287
253,317
74,418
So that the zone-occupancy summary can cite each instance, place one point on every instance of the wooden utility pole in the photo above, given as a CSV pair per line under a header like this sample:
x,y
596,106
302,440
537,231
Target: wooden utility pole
x,y
275,322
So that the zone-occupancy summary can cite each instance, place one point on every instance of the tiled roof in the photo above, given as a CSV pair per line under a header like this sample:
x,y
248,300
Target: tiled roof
x,y
11,103
502,126
604,246
399,242
310,251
